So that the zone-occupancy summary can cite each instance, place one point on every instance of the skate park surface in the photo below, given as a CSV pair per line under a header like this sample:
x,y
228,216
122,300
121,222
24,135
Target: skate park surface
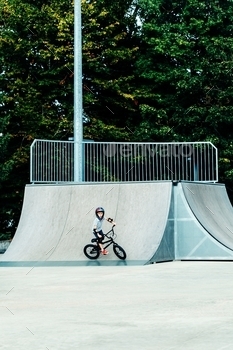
x,y
167,306
73,303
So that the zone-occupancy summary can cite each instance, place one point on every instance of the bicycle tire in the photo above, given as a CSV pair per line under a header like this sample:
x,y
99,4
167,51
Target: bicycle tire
x,y
91,251
119,251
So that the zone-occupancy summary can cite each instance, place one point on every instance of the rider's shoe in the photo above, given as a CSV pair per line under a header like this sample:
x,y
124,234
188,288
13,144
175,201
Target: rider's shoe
x,y
105,252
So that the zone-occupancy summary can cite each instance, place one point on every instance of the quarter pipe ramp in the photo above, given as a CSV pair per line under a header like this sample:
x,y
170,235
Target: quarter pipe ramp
x,y
203,224
56,221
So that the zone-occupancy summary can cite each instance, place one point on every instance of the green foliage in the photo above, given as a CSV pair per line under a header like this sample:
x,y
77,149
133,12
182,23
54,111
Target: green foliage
x,y
153,70
36,81
185,67
36,45
110,45
185,70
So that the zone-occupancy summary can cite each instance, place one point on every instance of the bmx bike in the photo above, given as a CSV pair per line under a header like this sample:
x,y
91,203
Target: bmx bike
x,y
92,251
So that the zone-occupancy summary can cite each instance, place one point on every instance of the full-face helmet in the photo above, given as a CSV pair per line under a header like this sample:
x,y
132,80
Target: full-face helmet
x,y
99,210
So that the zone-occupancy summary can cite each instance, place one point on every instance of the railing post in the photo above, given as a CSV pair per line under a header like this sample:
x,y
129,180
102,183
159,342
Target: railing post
x,y
32,160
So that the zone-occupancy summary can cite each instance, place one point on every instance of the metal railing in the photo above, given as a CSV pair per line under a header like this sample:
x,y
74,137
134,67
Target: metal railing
x,y
53,161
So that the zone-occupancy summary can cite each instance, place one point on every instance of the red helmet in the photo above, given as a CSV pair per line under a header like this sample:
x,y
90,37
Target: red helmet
x,y
99,210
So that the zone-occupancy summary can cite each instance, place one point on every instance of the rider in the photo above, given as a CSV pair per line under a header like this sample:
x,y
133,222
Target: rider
x,y
97,227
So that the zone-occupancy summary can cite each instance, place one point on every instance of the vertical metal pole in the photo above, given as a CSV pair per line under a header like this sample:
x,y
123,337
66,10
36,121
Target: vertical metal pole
x,y
78,99
216,155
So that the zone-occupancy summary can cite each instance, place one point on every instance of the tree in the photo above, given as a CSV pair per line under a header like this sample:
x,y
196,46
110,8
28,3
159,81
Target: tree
x,y
110,44
36,81
185,73
36,46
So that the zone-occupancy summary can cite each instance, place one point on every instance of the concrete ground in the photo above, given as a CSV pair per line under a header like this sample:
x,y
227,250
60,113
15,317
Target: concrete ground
x,y
176,305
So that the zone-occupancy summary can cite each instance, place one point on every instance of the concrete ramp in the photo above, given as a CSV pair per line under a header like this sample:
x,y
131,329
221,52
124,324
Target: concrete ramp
x,y
199,233
56,221
211,206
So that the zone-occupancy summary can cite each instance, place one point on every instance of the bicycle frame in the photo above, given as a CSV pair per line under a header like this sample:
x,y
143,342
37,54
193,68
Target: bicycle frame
x,y
109,241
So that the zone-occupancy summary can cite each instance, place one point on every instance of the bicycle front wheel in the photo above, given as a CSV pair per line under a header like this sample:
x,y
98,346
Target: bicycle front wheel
x,y
91,251
119,251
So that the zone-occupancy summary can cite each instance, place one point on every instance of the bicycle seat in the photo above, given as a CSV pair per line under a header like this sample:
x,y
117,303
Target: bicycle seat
x,y
94,240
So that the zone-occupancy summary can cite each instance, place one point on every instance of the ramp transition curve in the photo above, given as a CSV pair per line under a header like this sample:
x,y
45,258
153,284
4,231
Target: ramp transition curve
x,y
211,206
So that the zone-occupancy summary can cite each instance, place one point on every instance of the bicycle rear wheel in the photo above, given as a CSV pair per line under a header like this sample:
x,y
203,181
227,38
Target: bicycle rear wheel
x,y
91,251
119,251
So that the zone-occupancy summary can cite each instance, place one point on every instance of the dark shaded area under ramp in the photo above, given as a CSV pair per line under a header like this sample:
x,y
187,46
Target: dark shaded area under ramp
x,y
211,206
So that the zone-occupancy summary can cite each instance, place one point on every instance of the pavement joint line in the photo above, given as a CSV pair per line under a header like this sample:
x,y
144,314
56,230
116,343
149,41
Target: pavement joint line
x,y
209,210
30,270
30,330
9,310
189,190
70,230
110,190
26,327
10,290
89,210
66,234
50,250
